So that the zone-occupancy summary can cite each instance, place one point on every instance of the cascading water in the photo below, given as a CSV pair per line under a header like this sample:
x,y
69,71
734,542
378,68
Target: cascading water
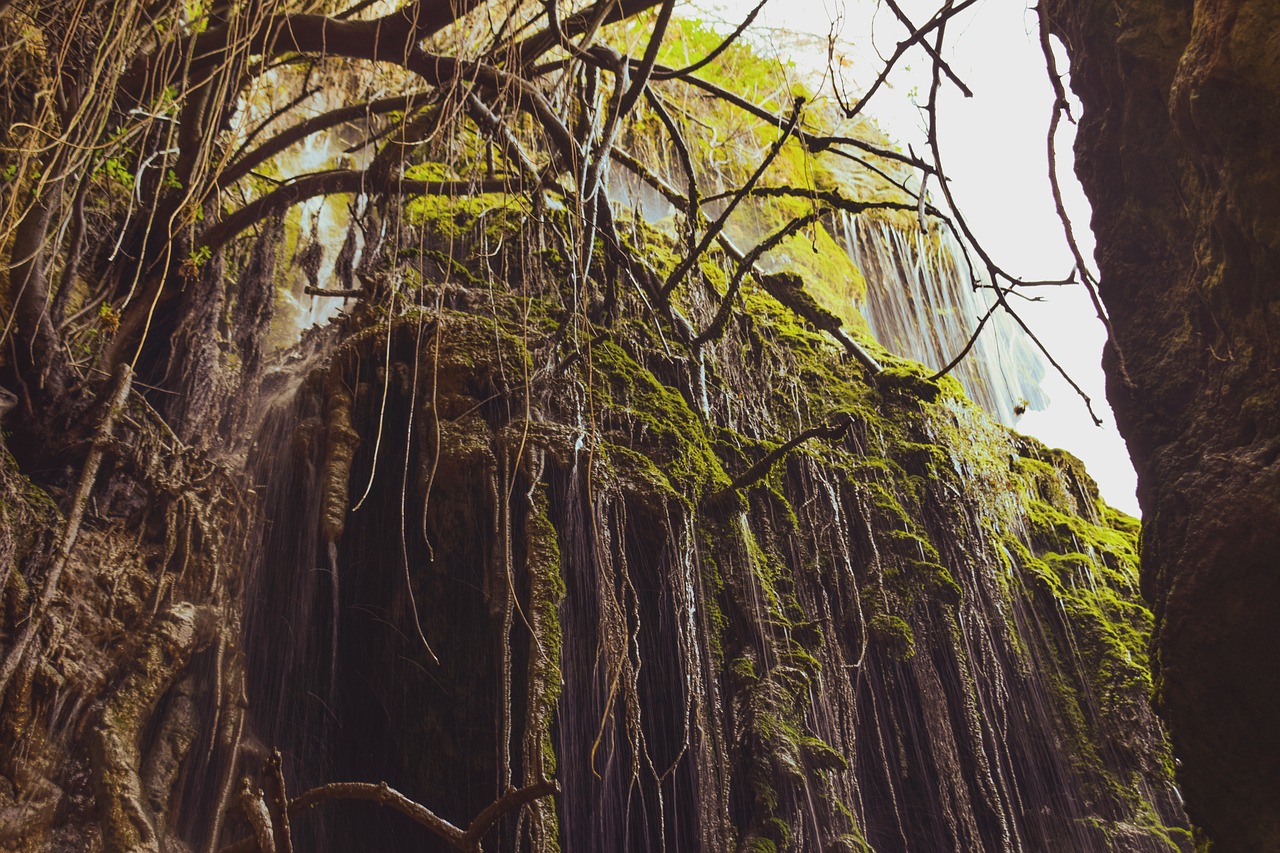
x,y
920,304
919,301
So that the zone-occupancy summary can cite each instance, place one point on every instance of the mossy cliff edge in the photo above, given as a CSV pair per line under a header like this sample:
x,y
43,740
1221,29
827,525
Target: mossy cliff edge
x,y
562,557
751,597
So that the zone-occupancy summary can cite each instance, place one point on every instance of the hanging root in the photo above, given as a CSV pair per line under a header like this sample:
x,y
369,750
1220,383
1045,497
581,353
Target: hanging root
x,y
114,740
341,442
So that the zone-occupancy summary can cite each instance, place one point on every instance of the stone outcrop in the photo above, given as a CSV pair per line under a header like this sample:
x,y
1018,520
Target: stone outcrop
x,y
1179,151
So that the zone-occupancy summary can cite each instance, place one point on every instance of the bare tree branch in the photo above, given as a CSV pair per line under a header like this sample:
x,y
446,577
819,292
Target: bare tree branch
x,y
747,264
715,228
760,470
670,73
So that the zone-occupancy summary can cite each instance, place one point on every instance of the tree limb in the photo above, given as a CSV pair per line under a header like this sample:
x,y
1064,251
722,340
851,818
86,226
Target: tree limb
x,y
334,183
760,470
465,841
716,227
716,328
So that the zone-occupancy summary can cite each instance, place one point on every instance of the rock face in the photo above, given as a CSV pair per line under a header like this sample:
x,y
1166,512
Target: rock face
x,y
1179,151
479,556
915,630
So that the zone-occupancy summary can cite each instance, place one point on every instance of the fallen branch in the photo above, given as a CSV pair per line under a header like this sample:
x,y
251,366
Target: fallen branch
x,y
747,264
354,293
788,288
465,841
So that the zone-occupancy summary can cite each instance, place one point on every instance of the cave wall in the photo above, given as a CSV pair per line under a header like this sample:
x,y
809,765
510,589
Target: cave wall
x,y
1178,152
915,631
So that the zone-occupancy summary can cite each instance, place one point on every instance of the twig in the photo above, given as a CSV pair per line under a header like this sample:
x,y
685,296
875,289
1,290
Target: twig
x,y
693,214
691,258
938,22
929,49
1061,106
669,73
973,338
746,265
465,841
760,470
959,220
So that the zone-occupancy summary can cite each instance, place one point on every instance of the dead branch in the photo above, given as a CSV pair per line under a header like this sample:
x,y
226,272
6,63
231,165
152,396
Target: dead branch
x,y
1061,106
693,213
937,22
334,183
334,294
929,49
465,841
788,288
512,800
973,339
717,326
245,163
670,73
995,272
760,470
831,198
602,13
716,227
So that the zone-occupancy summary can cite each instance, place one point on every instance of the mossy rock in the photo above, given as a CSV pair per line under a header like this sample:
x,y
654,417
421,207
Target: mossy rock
x,y
892,634
910,380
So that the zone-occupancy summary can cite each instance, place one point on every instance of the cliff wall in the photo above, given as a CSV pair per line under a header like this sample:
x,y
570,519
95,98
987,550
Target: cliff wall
x,y
1177,150
763,601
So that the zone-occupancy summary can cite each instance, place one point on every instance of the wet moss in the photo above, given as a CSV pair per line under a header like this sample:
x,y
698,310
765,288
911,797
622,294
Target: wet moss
x,y
893,634
546,592
644,415
909,379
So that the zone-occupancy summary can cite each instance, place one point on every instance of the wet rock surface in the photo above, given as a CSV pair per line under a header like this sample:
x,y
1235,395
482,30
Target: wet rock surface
x,y
1178,153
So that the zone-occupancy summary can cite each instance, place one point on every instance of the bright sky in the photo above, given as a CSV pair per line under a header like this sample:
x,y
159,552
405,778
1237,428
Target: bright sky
x,y
994,148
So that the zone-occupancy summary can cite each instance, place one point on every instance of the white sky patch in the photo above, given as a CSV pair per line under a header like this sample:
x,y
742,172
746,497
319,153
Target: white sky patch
x,y
995,151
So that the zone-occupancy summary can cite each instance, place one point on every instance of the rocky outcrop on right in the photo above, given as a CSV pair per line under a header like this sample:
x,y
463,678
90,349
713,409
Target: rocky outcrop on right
x,y
1178,152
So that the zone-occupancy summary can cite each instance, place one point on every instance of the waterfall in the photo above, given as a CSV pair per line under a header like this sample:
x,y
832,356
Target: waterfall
x,y
919,300
920,304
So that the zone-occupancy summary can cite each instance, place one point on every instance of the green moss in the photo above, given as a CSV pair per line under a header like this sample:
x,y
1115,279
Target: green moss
x,y
643,415
893,634
495,215
911,380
